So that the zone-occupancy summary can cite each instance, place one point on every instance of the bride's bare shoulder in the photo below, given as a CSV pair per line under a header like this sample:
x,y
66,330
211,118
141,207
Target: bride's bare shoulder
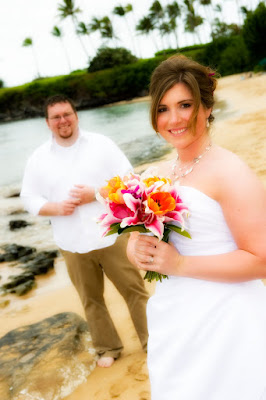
x,y
231,174
226,162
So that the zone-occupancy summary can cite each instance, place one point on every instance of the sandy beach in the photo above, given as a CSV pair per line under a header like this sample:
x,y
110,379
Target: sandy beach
x,y
241,129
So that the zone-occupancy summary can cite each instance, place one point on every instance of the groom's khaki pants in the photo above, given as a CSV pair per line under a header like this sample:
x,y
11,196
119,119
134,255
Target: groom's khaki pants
x,y
86,272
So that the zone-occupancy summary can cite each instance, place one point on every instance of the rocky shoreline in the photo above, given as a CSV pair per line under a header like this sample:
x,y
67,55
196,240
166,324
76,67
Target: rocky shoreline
x,y
31,262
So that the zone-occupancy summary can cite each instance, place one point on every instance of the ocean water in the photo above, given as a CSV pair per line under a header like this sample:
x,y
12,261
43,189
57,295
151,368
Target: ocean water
x,y
126,124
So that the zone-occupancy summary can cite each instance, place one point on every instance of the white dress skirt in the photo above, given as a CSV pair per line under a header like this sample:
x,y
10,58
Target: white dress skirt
x,y
207,340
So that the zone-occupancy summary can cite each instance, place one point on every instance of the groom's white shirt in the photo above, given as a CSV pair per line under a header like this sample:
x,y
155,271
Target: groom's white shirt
x,y
51,172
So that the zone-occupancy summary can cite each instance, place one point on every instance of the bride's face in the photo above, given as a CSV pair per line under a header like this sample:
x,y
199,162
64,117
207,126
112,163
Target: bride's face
x,y
174,113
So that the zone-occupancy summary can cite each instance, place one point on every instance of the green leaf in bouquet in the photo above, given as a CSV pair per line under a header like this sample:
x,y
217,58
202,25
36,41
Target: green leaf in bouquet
x,y
179,230
166,234
138,228
151,275
114,229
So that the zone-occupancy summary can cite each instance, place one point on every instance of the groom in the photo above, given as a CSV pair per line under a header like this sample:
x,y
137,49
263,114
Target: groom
x,y
59,181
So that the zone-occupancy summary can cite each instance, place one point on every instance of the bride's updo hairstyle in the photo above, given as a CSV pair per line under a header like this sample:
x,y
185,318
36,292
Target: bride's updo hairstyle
x,y
200,80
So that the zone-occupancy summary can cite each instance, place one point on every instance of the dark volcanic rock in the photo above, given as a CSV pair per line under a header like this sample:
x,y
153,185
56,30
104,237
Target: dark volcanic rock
x,y
19,284
18,224
33,264
16,280
47,360
15,194
14,252
42,262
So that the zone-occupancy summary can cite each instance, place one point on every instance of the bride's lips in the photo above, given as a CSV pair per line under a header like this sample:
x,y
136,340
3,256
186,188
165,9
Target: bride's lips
x,y
177,132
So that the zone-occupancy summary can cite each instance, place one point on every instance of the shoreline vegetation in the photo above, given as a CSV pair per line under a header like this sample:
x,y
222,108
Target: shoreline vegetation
x,y
241,130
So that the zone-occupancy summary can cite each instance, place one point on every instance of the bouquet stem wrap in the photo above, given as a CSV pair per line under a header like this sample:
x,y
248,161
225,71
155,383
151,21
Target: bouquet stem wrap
x,y
151,275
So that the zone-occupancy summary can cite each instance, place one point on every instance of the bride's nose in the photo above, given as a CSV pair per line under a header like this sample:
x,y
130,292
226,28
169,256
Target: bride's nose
x,y
174,117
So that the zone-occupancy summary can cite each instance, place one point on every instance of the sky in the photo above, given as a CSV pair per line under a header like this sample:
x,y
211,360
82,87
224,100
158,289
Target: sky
x,y
20,19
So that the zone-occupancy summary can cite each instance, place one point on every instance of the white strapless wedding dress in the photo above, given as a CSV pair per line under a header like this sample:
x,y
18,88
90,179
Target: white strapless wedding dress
x,y
207,340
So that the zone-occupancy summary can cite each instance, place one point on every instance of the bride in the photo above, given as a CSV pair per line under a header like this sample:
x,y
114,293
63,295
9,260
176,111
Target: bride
x,y
207,322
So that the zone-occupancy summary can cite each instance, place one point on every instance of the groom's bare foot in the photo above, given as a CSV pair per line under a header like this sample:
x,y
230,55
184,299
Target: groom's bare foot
x,y
105,362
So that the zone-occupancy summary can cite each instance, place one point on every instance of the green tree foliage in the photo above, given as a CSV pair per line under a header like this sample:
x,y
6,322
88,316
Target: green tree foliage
x,y
86,89
235,57
67,8
145,25
1,83
108,57
254,33
221,29
189,51
229,55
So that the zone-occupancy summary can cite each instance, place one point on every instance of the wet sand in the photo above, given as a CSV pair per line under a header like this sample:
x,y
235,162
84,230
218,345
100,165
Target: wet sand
x,y
241,130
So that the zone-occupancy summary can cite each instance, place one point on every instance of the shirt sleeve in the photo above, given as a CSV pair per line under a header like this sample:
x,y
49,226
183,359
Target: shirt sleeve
x,y
31,195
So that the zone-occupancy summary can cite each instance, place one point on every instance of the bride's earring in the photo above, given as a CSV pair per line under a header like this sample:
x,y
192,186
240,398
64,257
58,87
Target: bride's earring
x,y
207,123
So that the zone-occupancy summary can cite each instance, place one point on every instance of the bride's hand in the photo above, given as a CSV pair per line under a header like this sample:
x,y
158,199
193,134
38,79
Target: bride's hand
x,y
131,247
150,254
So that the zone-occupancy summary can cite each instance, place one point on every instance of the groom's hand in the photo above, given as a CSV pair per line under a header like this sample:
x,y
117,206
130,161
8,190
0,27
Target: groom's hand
x,y
84,194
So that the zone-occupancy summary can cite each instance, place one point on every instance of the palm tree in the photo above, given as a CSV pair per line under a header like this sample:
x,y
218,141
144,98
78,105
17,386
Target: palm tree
x,y
83,29
119,10
156,11
68,9
192,20
95,25
165,29
28,42
106,29
129,9
157,16
57,32
219,9
146,26
173,11
208,10
122,12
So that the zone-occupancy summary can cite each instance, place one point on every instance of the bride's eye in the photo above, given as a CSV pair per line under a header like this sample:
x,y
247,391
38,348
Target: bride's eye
x,y
185,105
162,109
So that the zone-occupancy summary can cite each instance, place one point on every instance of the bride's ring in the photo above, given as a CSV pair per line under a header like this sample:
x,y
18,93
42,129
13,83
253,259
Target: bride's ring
x,y
151,259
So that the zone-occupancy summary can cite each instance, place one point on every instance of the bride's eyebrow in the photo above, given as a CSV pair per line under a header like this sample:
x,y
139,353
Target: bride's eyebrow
x,y
185,100
179,102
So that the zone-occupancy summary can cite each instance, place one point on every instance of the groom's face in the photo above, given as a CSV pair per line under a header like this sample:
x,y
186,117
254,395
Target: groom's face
x,y
62,120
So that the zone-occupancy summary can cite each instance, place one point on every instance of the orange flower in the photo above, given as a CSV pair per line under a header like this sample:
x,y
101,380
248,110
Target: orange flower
x,y
151,181
161,202
113,190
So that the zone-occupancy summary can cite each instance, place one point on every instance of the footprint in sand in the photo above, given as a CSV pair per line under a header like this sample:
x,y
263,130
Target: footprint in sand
x,y
136,370
116,389
144,395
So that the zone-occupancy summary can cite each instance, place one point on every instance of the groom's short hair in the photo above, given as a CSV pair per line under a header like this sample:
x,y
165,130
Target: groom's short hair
x,y
58,98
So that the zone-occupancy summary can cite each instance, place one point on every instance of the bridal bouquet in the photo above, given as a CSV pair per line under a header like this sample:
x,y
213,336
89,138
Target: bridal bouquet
x,y
145,205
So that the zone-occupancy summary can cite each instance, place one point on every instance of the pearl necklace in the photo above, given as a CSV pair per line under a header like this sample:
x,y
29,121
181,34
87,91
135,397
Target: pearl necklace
x,y
177,171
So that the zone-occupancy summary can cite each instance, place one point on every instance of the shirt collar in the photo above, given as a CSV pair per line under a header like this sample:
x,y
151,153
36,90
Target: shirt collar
x,y
81,137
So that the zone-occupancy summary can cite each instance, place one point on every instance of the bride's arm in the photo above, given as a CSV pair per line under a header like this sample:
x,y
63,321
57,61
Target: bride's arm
x,y
242,198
